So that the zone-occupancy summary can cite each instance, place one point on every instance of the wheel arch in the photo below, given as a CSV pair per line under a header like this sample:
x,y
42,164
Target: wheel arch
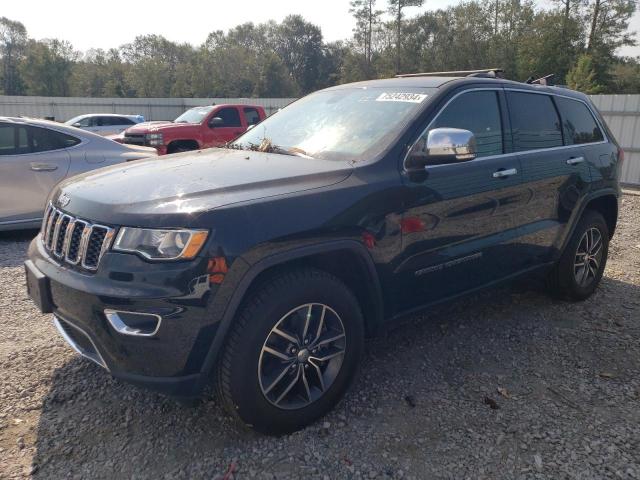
x,y
346,259
607,205
185,141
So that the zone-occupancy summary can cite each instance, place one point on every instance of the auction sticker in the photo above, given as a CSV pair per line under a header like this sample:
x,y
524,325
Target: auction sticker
x,y
402,97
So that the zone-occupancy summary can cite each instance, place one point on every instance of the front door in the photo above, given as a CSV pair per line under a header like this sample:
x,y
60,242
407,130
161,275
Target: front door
x,y
460,229
228,128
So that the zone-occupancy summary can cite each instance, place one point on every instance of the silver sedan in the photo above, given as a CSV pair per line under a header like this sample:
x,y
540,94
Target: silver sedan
x,y
37,154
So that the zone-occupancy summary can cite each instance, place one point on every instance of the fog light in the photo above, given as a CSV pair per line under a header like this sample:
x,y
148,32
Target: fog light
x,y
134,323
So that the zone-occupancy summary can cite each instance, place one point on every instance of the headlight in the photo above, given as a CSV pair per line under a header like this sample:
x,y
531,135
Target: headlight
x,y
154,139
161,244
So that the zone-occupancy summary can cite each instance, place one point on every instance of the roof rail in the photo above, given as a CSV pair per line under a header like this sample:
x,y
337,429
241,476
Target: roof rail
x,y
488,73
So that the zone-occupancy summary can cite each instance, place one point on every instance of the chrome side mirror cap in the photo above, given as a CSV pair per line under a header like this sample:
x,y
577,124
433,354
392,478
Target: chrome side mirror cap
x,y
442,146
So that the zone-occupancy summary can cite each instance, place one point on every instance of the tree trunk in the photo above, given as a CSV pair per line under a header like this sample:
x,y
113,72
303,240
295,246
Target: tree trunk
x,y
594,23
399,19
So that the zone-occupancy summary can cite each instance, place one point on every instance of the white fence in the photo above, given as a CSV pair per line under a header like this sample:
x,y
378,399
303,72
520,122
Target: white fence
x,y
622,113
64,108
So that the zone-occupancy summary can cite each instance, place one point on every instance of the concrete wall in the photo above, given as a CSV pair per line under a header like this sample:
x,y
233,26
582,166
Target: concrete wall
x,y
64,108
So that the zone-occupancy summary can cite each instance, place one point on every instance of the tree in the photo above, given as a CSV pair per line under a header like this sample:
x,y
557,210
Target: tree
x,y
608,30
47,67
582,76
13,40
299,44
395,8
367,19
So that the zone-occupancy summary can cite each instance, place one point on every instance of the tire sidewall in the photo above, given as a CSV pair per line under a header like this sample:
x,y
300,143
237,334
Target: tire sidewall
x,y
248,399
568,281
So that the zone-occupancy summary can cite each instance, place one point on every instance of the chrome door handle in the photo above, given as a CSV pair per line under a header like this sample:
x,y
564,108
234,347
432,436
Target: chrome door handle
x,y
43,167
505,173
575,160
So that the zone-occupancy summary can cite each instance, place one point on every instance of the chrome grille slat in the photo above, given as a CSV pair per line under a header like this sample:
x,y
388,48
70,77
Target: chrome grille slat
x,y
75,241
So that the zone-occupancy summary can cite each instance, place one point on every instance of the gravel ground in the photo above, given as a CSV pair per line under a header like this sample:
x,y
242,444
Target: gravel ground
x,y
506,384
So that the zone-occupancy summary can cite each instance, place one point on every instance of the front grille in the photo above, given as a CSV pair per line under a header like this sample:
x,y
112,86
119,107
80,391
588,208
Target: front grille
x,y
134,138
73,240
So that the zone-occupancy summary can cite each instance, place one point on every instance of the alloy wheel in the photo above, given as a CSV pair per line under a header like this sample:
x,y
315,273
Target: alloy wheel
x,y
302,356
588,257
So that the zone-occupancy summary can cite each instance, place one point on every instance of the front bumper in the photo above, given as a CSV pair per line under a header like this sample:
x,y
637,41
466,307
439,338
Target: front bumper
x,y
170,359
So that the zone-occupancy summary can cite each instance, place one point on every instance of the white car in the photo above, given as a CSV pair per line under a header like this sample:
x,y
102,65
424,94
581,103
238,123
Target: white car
x,y
105,123
37,154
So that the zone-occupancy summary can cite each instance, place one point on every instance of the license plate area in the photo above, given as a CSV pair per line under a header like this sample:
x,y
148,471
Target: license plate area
x,y
38,287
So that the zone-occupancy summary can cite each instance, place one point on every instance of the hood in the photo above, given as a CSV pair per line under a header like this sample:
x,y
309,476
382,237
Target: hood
x,y
147,127
190,183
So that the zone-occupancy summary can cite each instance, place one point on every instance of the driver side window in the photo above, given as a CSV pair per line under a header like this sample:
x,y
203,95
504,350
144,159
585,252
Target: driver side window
x,y
230,117
478,112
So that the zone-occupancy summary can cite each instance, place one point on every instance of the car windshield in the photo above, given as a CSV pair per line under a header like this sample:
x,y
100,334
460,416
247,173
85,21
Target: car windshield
x,y
74,120
194,115
343,124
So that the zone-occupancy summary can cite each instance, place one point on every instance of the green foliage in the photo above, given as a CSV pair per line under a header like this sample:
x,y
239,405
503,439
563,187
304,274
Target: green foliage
x,y
576,40
582,76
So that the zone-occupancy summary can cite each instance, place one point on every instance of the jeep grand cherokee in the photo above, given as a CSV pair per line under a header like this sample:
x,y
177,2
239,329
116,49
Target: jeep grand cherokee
x,y
264,265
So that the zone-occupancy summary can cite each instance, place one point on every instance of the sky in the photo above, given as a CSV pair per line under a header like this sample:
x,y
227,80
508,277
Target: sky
x,y
89,24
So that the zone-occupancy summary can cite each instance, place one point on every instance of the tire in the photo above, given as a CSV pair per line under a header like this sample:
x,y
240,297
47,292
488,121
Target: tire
x,y
567,279
283,392
180,148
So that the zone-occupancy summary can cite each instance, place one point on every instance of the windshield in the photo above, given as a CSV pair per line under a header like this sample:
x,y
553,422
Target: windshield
x,y
194,115
344,124
74,120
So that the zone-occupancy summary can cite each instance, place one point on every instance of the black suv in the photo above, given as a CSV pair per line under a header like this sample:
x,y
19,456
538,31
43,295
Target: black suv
x,y
265,265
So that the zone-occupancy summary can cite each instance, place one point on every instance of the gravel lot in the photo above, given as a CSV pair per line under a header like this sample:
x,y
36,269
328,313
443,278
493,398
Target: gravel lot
x,y
506,384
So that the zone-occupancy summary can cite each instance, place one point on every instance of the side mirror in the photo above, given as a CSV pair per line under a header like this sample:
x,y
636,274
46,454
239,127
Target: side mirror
x,y
216,122
77,125
442,146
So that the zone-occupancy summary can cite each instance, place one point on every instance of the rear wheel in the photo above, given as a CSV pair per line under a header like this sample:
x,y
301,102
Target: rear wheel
x,y
580,269
292,352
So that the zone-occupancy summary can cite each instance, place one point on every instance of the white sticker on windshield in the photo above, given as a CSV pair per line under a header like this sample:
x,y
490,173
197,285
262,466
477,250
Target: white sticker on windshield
x,y
402,97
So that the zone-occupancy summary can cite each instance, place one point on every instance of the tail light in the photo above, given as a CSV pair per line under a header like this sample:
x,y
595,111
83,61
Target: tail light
x,y
620,156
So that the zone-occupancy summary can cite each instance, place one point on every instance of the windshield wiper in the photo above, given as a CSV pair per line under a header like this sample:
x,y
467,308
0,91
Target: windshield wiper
x,y
268,147
296,152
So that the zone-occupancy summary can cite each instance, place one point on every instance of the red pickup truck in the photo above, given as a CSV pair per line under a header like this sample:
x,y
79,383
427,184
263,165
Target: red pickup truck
x,y
198,127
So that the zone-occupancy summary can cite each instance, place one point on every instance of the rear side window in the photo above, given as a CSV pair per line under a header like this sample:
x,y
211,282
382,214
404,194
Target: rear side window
x,y
43,140
229,116
252,116
13,140
578,123
534,121
479,113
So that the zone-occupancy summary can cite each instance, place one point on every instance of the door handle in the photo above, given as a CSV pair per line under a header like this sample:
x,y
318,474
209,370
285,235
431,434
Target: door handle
x,y
575,160
505,173
43,167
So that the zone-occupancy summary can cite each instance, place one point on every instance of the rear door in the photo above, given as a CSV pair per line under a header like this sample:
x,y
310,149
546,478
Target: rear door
x,y
230,128
32,161
251,116
555,172
461,227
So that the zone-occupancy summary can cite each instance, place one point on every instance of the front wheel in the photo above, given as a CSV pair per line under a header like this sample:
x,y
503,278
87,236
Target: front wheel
x,y
292,352
580,269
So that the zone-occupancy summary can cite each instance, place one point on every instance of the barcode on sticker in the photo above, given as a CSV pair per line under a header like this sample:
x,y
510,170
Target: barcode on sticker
x,y
402,97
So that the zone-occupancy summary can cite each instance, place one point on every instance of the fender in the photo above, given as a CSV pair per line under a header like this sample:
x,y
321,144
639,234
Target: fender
x,y
373,284
583,205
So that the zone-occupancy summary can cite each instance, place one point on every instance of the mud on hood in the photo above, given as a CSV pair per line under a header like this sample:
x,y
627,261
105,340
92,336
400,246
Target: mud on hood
x,y
192,182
